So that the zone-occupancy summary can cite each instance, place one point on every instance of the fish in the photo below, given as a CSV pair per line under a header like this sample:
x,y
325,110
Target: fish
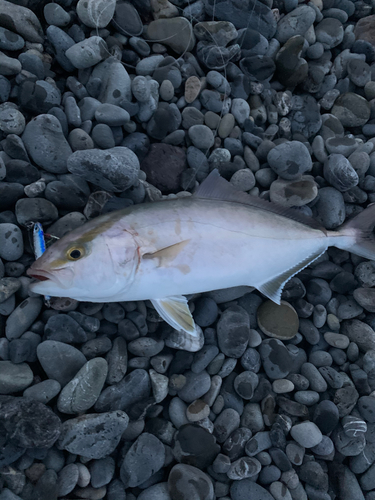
x,y
217,238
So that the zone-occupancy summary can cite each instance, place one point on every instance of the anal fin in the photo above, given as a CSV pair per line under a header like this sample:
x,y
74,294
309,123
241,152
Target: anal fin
x,y
175,311
274,287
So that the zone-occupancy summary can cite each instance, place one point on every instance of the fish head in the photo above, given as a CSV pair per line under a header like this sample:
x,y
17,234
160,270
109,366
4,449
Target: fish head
x,y
91,263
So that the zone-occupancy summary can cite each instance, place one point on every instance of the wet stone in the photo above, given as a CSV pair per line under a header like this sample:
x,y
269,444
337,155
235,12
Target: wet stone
x,y
243,468
115,169
63,328
83,390
307,434
93,435
144,458
339,172
22,317
33,424
186,482
14,377
194,445
60,361
280,322
326,416
133,388
351,109
290,160
242,490
46,144
233,330
245,383
276,358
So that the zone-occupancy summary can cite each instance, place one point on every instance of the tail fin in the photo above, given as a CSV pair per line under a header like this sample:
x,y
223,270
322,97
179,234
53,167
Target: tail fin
x,y
358,234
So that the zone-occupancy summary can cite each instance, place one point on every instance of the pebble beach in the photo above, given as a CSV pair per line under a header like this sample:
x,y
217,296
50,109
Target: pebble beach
x,y
107,104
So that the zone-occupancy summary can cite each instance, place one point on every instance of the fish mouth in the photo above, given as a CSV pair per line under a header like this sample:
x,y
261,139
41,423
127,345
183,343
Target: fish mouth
x,y
42,276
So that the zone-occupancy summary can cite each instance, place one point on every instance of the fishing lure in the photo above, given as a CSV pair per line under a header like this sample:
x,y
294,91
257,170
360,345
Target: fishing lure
x,y
39,246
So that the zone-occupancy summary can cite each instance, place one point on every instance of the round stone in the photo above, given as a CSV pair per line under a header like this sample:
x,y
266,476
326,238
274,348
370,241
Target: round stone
x,y
14,378
293,193
351,109
82,392
46,144
365,298
201,136
176,32
192,88
246,489
11,242
145,457
186,482
94,436
278,321
114,169
194,445
245,384
306,434
290,160
276,358
337,340
96,13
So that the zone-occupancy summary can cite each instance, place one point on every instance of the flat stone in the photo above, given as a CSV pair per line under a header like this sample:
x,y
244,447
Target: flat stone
x,y
278,321
186,482
14,378
114,169
60,361
93,436
351,109
246,489
293,193
46,144
82,392
307,434
177,33
145,457
22,20
96,13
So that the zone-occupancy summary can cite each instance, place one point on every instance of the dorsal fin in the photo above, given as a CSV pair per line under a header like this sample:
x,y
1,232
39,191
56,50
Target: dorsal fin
x,y
215,187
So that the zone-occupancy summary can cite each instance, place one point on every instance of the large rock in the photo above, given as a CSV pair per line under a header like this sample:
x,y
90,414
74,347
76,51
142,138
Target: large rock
x,y
46,144
114,169
163,166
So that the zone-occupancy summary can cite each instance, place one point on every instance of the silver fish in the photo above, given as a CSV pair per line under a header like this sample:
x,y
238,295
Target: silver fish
x,y
217,238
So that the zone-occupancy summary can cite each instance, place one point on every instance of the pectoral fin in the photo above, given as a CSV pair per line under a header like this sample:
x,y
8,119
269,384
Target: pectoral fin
x,y
274,287
167,254
175,311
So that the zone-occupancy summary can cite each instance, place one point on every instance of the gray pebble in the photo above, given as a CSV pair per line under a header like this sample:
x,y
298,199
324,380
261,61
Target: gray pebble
x,y
307,434
115,169
276,358
233,330
11,242
67,479
44,391
201,136
290,159
87,53
60,361
144,458
23,317
46,144
111,115
339,172
83,390
93,435
14,378
96,13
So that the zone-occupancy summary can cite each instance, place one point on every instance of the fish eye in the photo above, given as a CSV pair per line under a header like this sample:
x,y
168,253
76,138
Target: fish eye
x,y
75,253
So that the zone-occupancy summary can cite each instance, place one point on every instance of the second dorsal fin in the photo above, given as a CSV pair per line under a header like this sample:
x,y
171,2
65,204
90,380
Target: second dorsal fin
x,y
215,187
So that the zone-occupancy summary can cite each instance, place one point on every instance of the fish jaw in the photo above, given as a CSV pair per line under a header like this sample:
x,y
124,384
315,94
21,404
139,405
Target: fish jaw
x,y
48,280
